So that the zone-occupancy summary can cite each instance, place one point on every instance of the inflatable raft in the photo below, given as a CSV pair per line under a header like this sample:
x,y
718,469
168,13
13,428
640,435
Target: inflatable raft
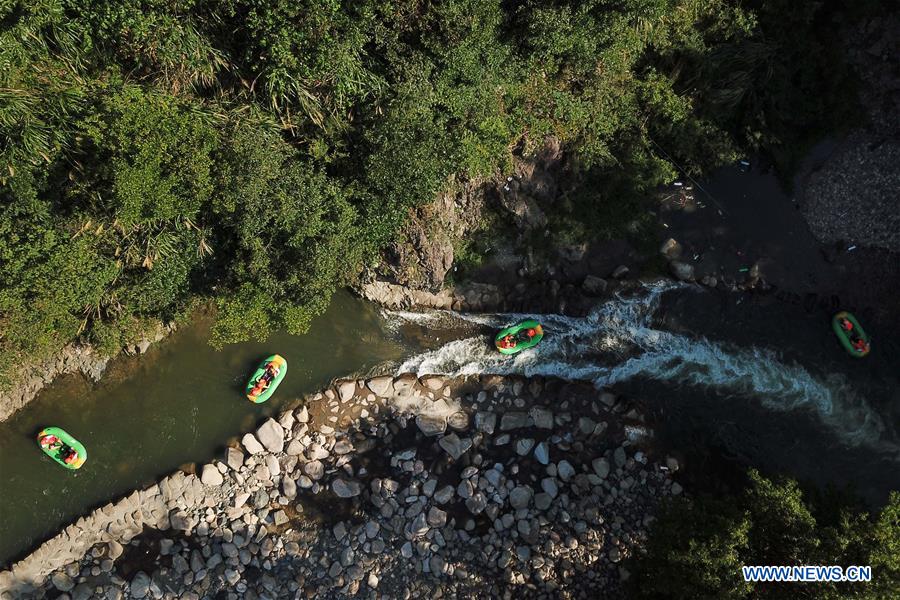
x,y
59,448
518,333
256,391
847,337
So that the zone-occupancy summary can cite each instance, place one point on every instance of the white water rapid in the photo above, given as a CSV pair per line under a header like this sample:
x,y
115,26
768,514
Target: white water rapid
x,y
618,341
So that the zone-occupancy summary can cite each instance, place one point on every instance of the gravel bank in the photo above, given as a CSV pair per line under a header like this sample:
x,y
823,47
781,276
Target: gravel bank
x,y
390,487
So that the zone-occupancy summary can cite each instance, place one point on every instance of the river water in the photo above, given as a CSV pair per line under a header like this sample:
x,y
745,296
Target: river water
x,y
758,378
179,403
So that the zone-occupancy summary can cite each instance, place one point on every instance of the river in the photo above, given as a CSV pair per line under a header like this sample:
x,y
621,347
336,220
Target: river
x,y
179,403
758,378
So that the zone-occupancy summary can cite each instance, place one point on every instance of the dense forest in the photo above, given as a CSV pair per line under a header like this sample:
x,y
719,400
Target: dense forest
x,y
258,152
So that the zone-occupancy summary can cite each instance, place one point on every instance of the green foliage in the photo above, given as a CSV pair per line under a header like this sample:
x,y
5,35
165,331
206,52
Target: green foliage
x,y
697,548
259,151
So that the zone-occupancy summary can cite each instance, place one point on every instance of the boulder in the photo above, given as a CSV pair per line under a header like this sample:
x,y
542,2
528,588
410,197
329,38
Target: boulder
x,y
346,389
520,496
251,444
211,475
431,424
671,249
601,467
140,585
594,286
454,446
381,386
62,581
234,458
344,488
681,270
271,435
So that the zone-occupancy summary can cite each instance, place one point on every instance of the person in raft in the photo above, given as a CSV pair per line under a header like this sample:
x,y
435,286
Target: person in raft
x,y
507,342
860,345
70,456
50,442
846,325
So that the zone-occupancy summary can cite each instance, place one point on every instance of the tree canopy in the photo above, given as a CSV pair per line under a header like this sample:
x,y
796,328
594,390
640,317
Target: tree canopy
x,y
257,152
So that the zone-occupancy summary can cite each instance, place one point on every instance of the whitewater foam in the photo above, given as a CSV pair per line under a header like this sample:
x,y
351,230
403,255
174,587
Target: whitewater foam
x,y
618,341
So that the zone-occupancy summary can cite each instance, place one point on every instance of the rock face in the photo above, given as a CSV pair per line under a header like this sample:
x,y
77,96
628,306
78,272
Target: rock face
x,y
406,508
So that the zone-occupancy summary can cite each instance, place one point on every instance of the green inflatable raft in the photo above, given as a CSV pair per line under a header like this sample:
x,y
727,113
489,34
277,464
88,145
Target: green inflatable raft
x,y
516,338
849,336
58,444
261,386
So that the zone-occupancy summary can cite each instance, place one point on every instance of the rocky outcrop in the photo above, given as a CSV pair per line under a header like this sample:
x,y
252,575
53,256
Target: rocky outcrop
x,y
409,486
424,251
74,358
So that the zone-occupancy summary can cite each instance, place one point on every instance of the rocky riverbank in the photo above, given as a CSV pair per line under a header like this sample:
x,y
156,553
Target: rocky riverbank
x,y
74,358
393,487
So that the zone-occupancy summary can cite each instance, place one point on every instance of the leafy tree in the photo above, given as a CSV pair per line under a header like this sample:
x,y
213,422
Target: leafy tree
x,y
697,548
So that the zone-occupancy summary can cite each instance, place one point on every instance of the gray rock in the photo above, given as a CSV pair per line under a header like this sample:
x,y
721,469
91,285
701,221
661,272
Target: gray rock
x,y
681,270
548,484
436,517
180,564
314,469
671,249
620,272
344,488
619,457
520,496
601,467
273,466
251,444
565,470
454,446
381,386
342,447
476,503
433,383
294,448
485,421
542,501
280,517
114,549
286,420
346,390
302,414
210,475
542,417
234,458
431,425
594,286
271,435
289,488
406,551
513,420
140,585
62,581
542,453
458,421
444,495
615,555
524,446
676,488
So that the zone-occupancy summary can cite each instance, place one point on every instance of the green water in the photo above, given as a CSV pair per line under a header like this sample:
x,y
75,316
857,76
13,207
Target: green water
x,y
179,403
